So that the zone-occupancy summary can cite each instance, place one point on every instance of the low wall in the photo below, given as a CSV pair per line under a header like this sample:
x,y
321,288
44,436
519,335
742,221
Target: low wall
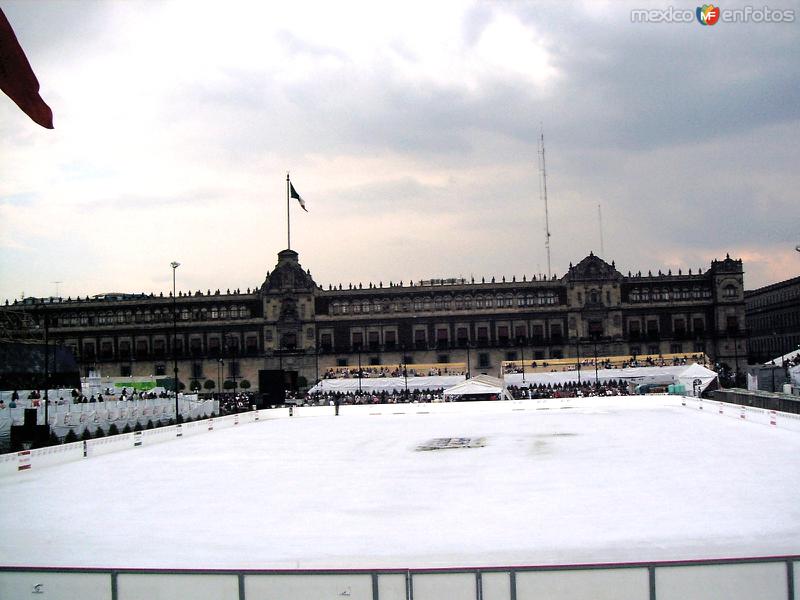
x,y
732,579
745,414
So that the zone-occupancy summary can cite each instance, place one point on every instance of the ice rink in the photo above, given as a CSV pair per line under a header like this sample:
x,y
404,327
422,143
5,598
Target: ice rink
x,y
606,484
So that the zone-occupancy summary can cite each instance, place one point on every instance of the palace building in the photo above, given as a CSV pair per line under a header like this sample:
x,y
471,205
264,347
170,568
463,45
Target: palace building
x,y
773,319
293,325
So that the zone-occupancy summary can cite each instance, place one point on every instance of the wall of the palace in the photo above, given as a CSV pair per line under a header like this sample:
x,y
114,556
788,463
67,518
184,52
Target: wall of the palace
x,y
773,319
293,324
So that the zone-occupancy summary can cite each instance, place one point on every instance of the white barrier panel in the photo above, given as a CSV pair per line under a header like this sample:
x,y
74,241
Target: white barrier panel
x,y
8,464
751,414
309,587
160,434
193,428
796,570
61,586
453,586
496,586
700,581
106,445
593,584
272,413
765,581
56,455
482,407
23,460
392,587
133,586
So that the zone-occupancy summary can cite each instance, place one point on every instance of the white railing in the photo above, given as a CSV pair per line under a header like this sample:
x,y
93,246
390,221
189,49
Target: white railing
x,y
732,579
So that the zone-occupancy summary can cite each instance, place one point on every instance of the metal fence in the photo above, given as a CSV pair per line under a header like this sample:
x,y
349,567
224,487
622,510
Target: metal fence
x,y
771,578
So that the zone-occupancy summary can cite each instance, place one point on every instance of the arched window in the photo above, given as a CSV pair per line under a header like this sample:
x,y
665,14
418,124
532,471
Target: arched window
x,y
729,291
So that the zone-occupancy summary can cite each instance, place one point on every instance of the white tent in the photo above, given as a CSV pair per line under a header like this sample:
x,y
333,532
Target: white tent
x,y
790,356
695,372
480,385
373,385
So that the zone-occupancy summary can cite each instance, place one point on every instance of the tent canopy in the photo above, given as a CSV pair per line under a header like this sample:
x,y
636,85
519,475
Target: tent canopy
x,y
695,372
480,385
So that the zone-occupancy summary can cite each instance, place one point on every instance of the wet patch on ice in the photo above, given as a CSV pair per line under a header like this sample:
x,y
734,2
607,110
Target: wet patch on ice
x,y
542,445
450,443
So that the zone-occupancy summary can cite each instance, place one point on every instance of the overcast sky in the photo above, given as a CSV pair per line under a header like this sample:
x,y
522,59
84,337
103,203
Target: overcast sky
x,y
411,131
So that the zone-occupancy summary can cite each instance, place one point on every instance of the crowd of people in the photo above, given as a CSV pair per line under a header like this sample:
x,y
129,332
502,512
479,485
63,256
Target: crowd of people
x,y
609,363
236,403
382,397
570,389
386,371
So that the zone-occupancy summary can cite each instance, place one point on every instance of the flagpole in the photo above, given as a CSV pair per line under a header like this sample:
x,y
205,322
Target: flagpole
x,y
288,224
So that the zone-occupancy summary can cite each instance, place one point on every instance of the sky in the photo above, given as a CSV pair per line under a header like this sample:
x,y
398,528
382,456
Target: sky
x,y
410,129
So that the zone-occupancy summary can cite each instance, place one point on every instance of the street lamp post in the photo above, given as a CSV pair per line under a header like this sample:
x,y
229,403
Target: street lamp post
x,y
596,379
316,364
522,356
405,370
359,368
578,355
220,362
469,362
46,369
175,266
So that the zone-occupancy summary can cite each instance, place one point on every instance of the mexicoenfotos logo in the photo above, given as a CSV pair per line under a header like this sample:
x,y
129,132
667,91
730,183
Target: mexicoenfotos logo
x,y
708,14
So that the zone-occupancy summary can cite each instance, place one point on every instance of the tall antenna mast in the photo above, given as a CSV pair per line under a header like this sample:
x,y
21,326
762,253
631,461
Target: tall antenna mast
x,y
543,194
600,221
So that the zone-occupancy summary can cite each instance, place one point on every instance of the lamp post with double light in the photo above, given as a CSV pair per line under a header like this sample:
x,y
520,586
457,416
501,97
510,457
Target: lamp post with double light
x,y
175,266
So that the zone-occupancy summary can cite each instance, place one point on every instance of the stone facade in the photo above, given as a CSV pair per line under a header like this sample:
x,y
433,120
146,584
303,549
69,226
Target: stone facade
x,y
292,324
773,319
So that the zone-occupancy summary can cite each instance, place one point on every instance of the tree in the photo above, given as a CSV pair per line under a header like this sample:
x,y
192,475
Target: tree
x,y
113,429
228,385
137,427
195,385
149,424
209,384
244,384
98,433
126,429
86,435
70,437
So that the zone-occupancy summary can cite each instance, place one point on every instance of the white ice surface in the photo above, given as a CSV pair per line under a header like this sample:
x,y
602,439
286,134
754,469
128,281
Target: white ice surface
x,y
550,487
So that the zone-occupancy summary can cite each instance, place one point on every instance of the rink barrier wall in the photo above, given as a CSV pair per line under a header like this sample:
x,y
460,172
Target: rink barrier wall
x,y
745,414
770,578
39,458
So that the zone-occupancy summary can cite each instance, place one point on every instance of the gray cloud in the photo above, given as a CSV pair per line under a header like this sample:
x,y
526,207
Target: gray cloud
x,y
688,136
